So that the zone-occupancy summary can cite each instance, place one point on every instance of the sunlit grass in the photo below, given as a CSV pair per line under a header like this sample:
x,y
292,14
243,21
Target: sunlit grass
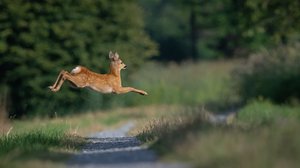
x,y
185,84
51,144
188,83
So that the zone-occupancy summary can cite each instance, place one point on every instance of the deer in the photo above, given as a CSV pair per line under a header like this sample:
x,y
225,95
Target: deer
x,y
82,77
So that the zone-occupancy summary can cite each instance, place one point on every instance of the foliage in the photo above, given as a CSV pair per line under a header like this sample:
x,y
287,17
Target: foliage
x,y
39,38
168,25
217,28
277,19
272,74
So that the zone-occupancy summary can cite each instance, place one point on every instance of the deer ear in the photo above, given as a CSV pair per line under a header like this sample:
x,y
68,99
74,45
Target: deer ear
x,y
111,55
116,56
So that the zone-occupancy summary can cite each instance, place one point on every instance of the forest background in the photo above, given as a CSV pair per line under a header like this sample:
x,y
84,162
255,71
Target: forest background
x,y
39,38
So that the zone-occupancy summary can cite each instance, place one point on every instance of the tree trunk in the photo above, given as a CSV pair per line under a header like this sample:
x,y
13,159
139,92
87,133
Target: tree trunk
x,y
193,32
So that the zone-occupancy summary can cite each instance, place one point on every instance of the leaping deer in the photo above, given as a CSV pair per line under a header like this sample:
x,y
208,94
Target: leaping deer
x,y
81,77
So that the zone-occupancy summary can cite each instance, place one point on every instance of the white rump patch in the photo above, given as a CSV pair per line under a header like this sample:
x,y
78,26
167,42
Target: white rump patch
x,y
76,70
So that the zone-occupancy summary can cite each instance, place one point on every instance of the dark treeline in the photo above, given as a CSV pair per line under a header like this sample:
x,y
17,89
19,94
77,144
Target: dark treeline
x,y
39,38
199,29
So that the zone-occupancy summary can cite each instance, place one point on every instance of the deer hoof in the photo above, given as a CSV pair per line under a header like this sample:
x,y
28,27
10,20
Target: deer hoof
x,y
144,93
52,88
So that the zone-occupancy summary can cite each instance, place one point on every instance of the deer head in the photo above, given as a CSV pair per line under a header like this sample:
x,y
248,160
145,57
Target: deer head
x,y
116,64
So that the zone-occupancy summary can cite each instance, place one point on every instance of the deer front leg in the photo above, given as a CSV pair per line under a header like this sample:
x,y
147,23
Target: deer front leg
x,y
122,90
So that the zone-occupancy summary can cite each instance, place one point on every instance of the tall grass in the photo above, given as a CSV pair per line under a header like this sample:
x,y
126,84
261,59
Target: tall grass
x,y
170,129
259,112
190,136
48,144
261,135
190,83
275,146
185,84
36,140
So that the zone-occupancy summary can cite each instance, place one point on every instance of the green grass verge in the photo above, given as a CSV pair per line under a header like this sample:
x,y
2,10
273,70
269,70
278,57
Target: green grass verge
x,y
259,112
51,144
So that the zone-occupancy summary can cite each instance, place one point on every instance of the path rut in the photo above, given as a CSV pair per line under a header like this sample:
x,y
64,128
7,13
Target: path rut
x,y
114,149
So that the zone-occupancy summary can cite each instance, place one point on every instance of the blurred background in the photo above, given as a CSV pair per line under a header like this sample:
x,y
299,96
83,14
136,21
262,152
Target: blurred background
x,y
218,53
223,78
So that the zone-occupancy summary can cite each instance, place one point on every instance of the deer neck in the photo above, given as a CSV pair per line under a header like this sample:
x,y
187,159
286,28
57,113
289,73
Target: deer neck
x,y
115,72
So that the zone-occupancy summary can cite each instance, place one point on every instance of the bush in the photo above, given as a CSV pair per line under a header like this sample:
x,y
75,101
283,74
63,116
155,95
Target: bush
x,y
271,74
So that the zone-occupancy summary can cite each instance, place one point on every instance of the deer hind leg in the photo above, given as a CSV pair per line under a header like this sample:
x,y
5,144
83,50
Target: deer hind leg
x,y
64,75
122,90
59,78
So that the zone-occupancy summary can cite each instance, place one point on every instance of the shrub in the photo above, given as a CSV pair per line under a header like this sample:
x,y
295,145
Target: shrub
x,y
271,74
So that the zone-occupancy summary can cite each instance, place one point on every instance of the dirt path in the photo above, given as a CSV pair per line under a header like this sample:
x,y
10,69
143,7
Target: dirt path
x,y
114,149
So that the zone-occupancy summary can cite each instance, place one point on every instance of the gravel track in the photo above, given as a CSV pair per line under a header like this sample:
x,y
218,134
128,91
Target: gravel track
x,y
114,149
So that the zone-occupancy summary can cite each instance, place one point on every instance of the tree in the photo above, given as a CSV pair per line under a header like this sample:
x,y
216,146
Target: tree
x,y
276,19
198,29
168,25
39,38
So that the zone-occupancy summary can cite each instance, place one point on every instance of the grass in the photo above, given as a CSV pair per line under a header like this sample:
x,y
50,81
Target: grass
x,y
51,145
262,134
36,141
174,120
235,147
260,112
205,83
188,135
50,142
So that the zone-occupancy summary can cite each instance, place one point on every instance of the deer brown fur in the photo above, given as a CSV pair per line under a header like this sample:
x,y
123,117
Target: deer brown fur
x,y
81,77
